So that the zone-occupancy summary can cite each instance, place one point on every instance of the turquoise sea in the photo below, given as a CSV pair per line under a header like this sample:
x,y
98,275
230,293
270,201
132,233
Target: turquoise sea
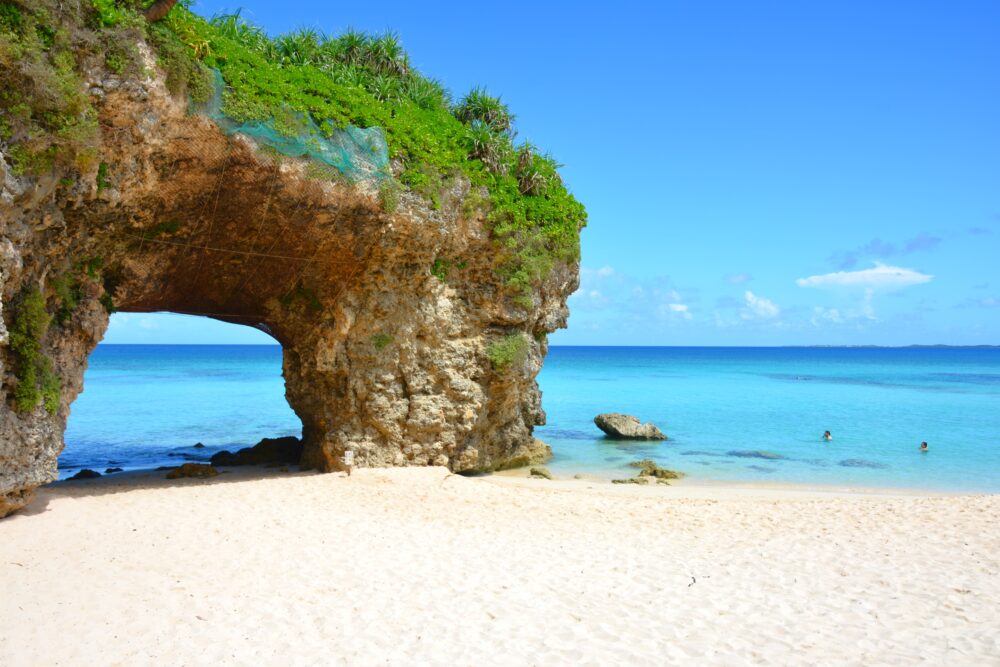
x,y
732,414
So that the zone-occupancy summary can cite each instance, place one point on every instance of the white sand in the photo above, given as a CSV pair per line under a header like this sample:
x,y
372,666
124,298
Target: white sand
x,y
415,566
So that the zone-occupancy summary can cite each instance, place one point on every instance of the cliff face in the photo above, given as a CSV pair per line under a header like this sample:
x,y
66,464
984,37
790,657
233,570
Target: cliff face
x,y
400,339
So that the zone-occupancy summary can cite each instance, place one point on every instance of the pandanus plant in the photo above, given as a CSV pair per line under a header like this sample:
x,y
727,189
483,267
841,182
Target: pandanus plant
x,y
480,106
530,181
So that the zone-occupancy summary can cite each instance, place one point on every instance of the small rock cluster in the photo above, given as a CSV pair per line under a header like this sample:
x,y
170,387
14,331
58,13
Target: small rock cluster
x,y
649,470
199,470
269,451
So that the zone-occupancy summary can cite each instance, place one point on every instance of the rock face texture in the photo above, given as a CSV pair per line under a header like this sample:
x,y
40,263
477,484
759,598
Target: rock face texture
x,y
381,356
627,427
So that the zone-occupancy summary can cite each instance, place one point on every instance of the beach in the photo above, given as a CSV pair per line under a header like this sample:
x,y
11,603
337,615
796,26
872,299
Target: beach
x,y
420,566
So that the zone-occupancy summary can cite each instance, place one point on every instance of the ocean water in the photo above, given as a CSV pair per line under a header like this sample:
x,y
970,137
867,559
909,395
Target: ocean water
x,y
732,414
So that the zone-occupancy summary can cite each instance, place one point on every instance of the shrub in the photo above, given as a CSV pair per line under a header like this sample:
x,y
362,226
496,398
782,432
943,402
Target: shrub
x,y
507,351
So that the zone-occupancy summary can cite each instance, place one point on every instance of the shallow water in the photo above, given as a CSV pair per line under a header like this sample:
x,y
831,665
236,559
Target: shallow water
x,y
742,414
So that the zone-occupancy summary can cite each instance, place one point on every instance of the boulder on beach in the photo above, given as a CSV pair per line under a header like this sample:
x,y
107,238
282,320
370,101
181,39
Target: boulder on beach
x,y
627,427
86,473
542,473
193,470
279,451
533,453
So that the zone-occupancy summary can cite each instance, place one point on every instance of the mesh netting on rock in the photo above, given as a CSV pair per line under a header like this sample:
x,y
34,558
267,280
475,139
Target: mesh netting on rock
x,y
357,153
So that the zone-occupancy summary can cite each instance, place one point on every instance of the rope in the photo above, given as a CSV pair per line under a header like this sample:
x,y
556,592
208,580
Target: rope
x,y
215,206
260,226
249,253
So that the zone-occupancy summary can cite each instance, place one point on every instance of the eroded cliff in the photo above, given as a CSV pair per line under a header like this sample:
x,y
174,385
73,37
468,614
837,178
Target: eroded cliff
x,y
410,335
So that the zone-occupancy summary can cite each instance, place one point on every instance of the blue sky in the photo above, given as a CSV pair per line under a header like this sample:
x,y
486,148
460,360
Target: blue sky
x,y
761,173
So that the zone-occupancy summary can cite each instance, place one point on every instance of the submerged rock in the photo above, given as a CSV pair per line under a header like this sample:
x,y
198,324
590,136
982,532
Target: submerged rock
x,y
543,473
86,473
200,470
627,427
862,463
755,454
269,451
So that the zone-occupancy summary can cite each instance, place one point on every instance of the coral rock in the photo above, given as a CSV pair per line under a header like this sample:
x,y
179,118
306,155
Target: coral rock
x,y
627,427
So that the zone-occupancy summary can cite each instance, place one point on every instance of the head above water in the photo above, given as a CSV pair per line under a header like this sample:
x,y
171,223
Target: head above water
x,y
923,445
827,435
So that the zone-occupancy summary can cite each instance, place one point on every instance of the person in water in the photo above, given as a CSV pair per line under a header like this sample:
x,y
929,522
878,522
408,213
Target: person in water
x,y
827,435
923,446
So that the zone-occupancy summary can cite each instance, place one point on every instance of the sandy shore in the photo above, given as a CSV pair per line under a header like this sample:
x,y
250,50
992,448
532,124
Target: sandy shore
x,y
416,566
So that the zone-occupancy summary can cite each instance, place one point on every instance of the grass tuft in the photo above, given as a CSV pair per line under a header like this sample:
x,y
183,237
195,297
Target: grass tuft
x,y
507,351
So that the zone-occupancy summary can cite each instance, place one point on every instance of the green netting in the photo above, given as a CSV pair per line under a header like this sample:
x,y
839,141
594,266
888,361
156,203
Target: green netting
x,y
358,153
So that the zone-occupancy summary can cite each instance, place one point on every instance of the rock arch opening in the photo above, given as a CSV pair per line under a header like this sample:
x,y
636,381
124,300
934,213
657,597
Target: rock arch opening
x,y
164,389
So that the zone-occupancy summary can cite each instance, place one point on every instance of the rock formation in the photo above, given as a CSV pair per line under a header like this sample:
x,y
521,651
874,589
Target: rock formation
x,y
383,355
627,427
269,451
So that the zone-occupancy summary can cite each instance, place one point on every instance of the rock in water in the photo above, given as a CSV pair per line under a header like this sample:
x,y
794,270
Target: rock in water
x,y
109,471
269,451
201,470
86,473
627,427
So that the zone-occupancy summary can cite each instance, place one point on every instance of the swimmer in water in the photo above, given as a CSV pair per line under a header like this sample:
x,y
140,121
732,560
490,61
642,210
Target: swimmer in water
x,y
923,446
827,436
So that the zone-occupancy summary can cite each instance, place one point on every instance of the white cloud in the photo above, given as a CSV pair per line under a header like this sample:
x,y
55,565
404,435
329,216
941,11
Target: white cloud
x,y
605,271
738,278
882,276
681,309
148,323
759,307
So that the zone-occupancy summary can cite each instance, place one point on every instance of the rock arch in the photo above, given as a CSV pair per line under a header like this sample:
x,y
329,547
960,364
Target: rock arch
x,y
382,354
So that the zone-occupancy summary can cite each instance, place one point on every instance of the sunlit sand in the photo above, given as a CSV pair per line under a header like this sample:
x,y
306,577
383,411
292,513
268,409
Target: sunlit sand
x,y
406,566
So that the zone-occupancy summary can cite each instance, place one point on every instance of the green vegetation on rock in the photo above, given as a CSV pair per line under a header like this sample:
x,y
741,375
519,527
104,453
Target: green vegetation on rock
x,y
36,380
508,351
46,119
367,81
48,122
382,341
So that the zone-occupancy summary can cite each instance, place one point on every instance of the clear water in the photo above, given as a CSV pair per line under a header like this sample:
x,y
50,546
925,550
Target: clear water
x,y
728,411
148,405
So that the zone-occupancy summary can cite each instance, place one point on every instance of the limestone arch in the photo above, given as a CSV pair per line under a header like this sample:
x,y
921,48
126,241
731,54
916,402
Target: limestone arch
x,y
381,355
